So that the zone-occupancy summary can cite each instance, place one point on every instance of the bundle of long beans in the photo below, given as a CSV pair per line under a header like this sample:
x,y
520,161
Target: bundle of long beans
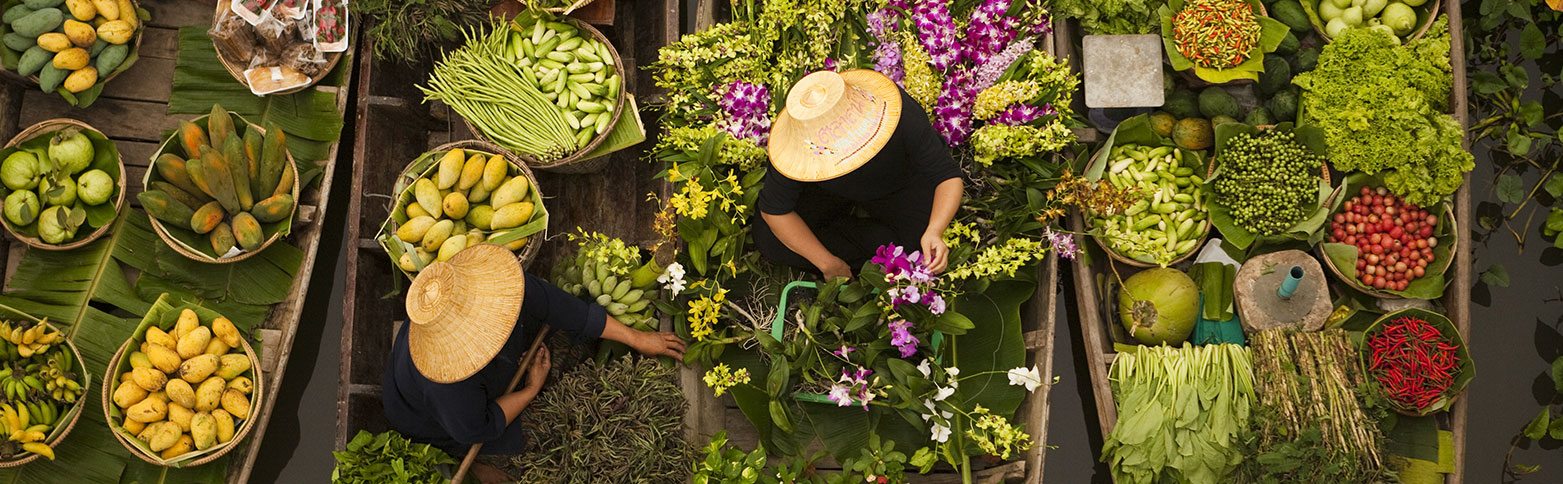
x,y
492,95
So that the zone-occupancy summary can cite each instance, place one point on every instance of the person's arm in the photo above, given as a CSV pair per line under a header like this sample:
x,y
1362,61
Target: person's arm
x,y
512,403
794,233
661,343
946,198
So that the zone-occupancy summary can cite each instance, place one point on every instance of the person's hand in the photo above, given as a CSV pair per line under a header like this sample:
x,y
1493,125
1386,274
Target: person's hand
x,y
835,268
538,371
936,254
662,343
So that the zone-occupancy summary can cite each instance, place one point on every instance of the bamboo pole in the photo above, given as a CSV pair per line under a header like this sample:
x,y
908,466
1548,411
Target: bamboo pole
x,y
524,363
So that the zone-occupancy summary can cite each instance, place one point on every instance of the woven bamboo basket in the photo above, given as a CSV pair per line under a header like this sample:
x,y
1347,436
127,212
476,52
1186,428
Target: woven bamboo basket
x,y
72,415
1466,365
1427,13
577,161
135,49
191,252
1448,240
1098,158
237,71
195,457
48,126
388,228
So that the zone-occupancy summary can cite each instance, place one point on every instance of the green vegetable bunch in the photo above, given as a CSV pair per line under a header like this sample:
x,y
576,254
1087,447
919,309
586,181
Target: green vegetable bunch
x,y
1382,108
1194,398
407,30
1111,17
1267,181
388,458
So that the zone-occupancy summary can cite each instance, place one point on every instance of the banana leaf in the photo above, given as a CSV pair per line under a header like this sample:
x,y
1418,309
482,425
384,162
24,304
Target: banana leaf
x,y
309,117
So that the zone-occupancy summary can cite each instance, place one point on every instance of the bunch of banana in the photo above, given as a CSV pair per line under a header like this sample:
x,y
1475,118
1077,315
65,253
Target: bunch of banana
x,y
24,341
28,425
614,290
185,390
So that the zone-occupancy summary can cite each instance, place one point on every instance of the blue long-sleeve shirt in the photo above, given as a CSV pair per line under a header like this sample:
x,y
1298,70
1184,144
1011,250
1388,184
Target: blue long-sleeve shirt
x,y
453,416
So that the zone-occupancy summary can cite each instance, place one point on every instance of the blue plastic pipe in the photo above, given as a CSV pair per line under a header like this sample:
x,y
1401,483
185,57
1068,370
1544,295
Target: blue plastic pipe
x,y
1289,286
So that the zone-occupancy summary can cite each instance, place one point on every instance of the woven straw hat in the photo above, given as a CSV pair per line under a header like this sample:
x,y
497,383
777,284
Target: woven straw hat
x,y
463,310
833,123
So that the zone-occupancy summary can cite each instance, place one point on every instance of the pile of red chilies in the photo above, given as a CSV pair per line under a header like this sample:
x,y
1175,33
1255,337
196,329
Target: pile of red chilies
x,y
1413,362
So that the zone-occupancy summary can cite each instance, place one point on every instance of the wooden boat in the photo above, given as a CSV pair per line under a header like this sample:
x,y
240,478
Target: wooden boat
x,y
1100,332
133,112
394,126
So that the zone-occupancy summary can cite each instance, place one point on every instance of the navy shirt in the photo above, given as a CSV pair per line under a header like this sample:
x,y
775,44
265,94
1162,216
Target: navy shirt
x,y
453,416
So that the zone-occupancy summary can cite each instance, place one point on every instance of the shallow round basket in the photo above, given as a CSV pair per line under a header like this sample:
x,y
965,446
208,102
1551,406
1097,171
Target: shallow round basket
x,y
192,253
534,242
135,47
577,161
1425,15
1467,367
237,71
1095,158
71,416
1446,240
111,381
40,129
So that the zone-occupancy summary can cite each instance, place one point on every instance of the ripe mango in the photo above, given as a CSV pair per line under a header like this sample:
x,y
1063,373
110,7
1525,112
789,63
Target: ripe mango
x,y
209,395
82,10
139,360
129,393
243,384
512,215
494,172
180,392
247,231
192,138
206,218
219,126
427,194
273,209
81,80
450,169
233,365
455,206
471,173
194,342
414,229
188,321
512,191
80,34
224,329
217,347
149,379
414,210
157,336
221,238
450,247
203,430
54,42
163,358
162,436
480,216
224,425
164,207
436,235
116,32
182,446
134,427
109,9
180,414
127,12
198,368
477,194
513,245
236,404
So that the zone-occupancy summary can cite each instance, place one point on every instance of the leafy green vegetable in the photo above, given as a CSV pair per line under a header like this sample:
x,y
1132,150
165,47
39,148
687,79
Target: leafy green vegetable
x,y
1179,413
388,458
407,30
1112,17
1382,108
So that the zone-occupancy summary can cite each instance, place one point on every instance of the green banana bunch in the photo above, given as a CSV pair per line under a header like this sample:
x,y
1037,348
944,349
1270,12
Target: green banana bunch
x,y
617,293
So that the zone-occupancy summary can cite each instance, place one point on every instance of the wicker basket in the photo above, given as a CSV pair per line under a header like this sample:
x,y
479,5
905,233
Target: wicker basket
x,y
194,457
1098,158
405,179
193,253
135,48
1448,239
1430,9
72,415
237,71
49,126
577,162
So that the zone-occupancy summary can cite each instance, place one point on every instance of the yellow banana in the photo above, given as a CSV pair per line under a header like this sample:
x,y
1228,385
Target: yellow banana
x,y
40,449
25,350
22,416
30,335
16,335
33,436
12,419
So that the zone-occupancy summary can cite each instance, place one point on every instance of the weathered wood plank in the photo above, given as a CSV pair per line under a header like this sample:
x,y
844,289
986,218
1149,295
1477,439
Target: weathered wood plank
x,y
117,118
179,13
135,153
157,43
146,81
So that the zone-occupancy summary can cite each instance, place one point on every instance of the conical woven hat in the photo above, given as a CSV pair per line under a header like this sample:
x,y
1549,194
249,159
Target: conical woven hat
x,y
463,310
833,123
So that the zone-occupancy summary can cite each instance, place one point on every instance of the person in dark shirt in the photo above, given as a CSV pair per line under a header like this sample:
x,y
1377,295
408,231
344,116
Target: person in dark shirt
x,y
853,142
447,382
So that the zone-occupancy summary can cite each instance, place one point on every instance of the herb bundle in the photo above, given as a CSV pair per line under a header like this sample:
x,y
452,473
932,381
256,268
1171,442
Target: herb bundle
x,y
1216,33
1192,398
1111,17
388,458
407,30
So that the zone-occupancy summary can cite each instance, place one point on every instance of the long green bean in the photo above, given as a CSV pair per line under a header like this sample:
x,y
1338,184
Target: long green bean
x,y
498,99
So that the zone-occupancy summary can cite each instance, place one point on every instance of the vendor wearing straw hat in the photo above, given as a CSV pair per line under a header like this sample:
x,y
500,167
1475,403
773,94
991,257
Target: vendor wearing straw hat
x,y
447,378
847,142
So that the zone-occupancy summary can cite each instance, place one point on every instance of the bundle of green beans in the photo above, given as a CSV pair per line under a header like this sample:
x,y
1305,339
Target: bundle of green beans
x,y
500,99
1170,216
571,69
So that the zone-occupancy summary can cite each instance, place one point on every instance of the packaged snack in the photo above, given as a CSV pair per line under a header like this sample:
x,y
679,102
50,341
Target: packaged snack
x,y
331,25
305,59
267,80
234,36
290,9
250,10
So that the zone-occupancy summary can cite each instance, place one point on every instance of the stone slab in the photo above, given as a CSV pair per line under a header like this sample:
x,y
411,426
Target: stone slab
x,y
1123,71
1261,308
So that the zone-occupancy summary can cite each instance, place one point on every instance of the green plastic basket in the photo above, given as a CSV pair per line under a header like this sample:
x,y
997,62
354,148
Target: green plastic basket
x,y
778,327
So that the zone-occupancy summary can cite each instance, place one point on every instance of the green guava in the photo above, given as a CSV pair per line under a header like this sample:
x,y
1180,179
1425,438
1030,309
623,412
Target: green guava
x,y
54,225
94,187
58,193
71,151
21,207
20,171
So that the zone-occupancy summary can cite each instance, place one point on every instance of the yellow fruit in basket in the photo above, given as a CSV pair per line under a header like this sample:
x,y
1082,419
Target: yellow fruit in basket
x,y
139,360
81,34
126,376
512,215
450,169
237,404
162,436
72,58
188,321
156,335
414,210
455,206
480,216
180,415
494,172
203,429
232,365
427,195
148,410
149,378
471,173
513,245
108,9
128,13
217,347
133,427
224,330
512,191
198,368
209,395
116,32
54,42
450,247
129,393
477,194
224,425
194,342
474,237
437,235
243,384
180,447
180,392
81,80
407,262
163,358
83,10
413,230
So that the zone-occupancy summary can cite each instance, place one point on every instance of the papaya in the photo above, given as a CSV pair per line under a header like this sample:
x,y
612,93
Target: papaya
x,y
207,217
51,77
196,170
219,176
252,148
274,150
273,209
165,207
221,238
111,58
219,125
179,194
40,21
239,166
33,60
19,43
285,185
247,231
192,138
172,168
